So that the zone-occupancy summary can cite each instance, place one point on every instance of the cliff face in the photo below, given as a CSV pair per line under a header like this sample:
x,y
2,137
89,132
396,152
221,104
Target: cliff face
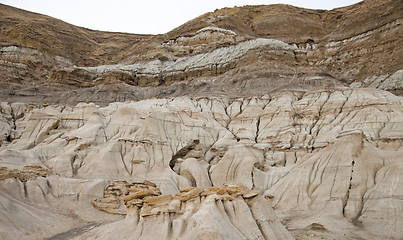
x,y
260,122
267,47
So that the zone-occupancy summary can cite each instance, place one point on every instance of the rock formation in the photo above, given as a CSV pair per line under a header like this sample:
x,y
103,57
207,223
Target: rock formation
x,y
330,156
225,212
260,122
257,49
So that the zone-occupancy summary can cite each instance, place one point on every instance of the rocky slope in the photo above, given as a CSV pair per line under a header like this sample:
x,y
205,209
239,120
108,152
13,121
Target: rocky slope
x,y
260,122
256,49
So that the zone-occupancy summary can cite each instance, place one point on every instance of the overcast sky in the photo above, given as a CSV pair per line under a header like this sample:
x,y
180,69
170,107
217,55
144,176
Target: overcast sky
x,y
146,16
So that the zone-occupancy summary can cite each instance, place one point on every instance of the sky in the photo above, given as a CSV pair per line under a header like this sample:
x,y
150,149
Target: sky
x,y
146,16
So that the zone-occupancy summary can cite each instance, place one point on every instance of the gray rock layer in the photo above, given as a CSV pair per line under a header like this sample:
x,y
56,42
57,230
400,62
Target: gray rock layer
x,y
329,160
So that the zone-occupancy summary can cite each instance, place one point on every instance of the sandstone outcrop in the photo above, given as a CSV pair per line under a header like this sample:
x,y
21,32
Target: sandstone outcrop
x,y
223,212
122,193
27,173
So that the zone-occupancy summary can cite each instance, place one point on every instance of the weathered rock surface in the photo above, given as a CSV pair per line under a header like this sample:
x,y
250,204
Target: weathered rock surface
x,y
269,122
327,156
255,49
342,181
224,212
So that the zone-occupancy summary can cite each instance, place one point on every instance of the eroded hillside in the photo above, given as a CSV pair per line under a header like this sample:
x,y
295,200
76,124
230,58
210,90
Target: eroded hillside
x,y
331,158
256,49
259,122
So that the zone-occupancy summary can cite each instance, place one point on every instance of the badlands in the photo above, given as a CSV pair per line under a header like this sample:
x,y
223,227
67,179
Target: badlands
x,y
255,122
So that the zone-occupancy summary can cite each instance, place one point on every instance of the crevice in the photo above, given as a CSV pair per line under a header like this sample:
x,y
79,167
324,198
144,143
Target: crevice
x,y
257,129
253,182
345,202
25,189
73,170
317,117
123,160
